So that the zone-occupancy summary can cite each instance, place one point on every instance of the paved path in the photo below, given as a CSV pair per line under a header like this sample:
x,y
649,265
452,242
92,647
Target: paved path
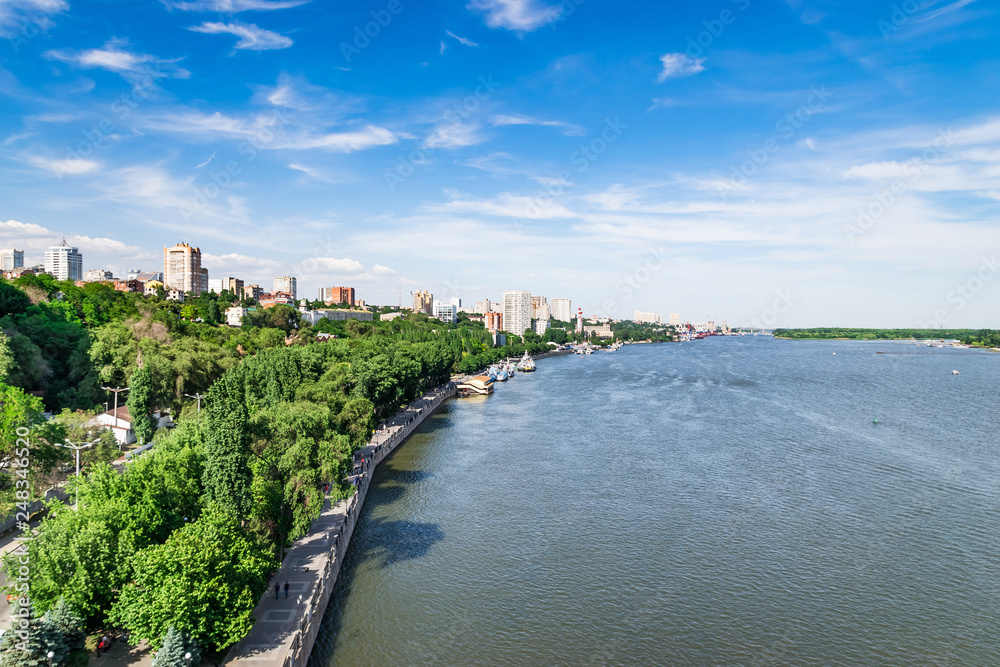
x,y
285,628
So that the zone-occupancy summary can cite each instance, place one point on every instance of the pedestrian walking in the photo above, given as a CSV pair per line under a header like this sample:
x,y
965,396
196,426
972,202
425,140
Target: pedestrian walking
x,y
286,590
277,588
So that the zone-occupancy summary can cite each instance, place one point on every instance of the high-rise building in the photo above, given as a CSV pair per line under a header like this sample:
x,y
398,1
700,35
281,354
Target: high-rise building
x,y
541,326
517,311
98,276
252,292
331,295
455,301
494,321
446,312
64,262
182,269
675,320
482,307
220,285
562,310
423,302
647,317
286,284
11,259
543,314
536,303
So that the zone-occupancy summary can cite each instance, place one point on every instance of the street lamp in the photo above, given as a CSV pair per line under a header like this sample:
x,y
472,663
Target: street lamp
x,y
116,390
50,655
198,397
77,447
187,659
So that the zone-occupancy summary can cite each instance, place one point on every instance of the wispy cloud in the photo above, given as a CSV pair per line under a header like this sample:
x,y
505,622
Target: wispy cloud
x,y
16,14
678,65
526,15
67,166
454,135
267,131
252,37
234,6
139,69
568,128
462,40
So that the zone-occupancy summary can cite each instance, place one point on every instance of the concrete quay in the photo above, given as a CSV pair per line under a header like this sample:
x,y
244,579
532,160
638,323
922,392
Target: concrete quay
x,y
285,629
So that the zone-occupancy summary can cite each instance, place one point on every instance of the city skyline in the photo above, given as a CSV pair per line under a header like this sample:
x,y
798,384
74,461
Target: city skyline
x,y
793,162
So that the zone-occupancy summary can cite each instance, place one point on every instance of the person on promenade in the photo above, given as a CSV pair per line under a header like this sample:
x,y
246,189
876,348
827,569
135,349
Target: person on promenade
x,y
286,590
277,588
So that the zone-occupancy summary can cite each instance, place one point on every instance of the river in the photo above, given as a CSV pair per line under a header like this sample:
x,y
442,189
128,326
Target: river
x,y
721,502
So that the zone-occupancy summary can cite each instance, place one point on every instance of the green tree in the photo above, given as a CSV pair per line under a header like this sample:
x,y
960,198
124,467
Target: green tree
x,y
227,474
141,404
204,580
12,300
29,646
6,357
176,644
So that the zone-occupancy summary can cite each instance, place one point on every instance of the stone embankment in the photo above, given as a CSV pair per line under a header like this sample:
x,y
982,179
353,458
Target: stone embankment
x,y
287,623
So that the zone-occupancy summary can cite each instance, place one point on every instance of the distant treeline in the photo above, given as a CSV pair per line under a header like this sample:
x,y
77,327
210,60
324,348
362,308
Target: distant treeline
x,y
965,335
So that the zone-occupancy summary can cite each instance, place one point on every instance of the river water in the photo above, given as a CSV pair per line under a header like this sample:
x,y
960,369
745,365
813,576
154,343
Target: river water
x,y
721,502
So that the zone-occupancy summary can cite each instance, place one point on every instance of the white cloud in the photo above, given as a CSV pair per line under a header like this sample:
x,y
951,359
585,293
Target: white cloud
x,y
270,131
27,16
68,166
34,239
461,40
524,15
662,103
252,37
505,205
324,264
678,65
139,69
342,142
380,270
314,173
453,135
234,6
568,128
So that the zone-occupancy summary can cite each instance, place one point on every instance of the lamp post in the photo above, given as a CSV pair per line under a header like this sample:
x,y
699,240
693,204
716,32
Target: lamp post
x,y
77,447
187,659
50,655
197,397
116,390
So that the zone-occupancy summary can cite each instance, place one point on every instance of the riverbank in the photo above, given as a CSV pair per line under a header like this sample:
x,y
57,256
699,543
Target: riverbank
x,y
286,624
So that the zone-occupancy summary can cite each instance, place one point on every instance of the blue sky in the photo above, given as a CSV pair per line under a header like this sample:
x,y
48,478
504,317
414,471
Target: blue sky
x,y
793,163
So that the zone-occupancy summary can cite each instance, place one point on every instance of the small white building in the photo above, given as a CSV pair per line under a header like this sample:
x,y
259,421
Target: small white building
x,y
120,424
446,312
235,315
541,326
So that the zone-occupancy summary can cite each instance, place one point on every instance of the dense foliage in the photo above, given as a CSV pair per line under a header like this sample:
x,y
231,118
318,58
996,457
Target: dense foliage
x,y
873,334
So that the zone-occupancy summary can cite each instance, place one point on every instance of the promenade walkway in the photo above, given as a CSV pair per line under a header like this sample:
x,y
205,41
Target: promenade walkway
x,y
286,627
